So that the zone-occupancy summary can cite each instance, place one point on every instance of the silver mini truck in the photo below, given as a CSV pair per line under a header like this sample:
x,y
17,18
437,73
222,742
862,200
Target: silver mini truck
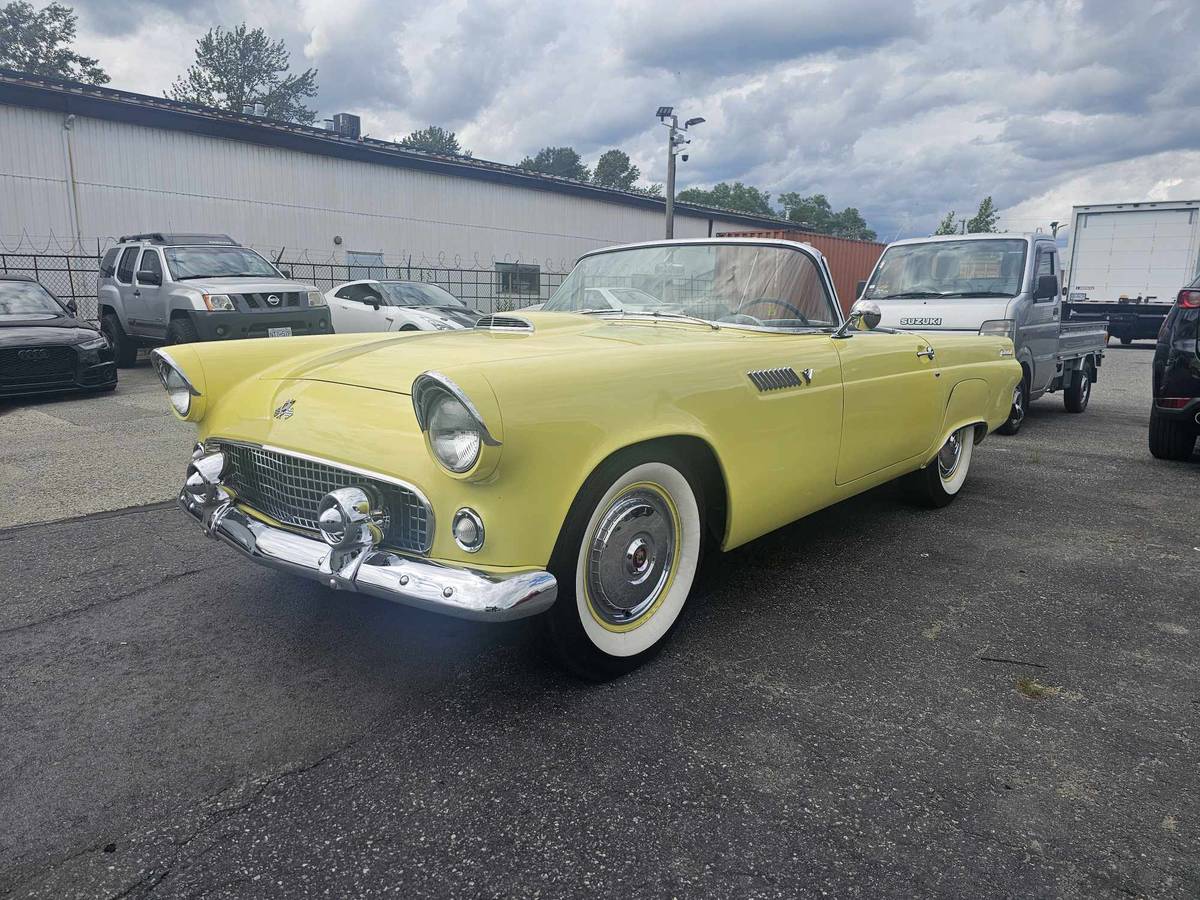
x,y
162,288
997,284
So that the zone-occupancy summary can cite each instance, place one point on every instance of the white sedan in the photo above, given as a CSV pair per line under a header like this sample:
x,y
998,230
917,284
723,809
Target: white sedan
x,y
369,305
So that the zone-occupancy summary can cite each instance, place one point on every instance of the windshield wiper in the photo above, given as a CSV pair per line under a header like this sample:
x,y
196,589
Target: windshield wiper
x,y
654,314
978,294
910,295
225,275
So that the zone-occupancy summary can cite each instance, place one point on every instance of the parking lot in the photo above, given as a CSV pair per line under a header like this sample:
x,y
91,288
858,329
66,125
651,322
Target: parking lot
x,y
999,698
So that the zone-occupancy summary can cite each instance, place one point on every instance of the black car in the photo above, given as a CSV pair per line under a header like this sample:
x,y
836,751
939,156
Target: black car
x,y
44,348
1175,416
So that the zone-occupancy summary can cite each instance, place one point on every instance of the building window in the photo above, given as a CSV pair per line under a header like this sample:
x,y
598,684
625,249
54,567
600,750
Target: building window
x,y
515,278
364,264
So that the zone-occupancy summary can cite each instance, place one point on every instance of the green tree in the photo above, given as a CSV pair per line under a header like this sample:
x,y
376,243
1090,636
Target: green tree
x,y
984,219
737,197
39,42
241,66
615,170
947,226
561,161
816,214
434,139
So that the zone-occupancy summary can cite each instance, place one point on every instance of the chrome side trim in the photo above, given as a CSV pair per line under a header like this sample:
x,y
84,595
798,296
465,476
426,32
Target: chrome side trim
x,y
436,587
428,381
775,379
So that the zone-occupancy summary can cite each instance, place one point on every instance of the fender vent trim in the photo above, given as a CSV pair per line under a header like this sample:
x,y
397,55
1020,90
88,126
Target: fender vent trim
x,y
775,379
502,322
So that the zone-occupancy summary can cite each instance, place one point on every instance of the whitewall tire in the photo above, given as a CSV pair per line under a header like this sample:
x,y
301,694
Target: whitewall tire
x,y
626,562
941,480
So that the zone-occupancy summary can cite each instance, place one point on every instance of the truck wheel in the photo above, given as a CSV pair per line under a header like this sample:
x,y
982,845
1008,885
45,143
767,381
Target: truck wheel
x,y
1020,403
182,331
938,483
1170,439
124,348
1076,397
1125,342
625,562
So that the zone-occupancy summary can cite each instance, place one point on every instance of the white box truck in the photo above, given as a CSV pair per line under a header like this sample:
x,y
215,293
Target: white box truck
x,y
1127,261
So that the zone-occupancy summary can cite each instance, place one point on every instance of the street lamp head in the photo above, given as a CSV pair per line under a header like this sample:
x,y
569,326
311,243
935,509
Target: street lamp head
x,y
664,111
690,122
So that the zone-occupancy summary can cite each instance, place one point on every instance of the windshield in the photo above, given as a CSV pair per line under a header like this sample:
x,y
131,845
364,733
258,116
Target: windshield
x,y
737,284
408,293
217,262
20,299
989,268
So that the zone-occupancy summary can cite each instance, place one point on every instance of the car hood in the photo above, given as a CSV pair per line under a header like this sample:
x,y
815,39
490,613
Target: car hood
x,y
392,362
245,285
950,314
35,332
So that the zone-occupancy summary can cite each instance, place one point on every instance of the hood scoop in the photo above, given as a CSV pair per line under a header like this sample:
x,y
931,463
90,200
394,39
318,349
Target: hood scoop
x,y
505,323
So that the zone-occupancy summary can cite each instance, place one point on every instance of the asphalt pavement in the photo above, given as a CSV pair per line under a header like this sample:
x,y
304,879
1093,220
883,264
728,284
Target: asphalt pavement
x,y
1001,698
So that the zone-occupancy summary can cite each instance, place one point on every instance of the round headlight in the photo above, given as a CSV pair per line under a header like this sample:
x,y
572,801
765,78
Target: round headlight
x,y
178,390
453,434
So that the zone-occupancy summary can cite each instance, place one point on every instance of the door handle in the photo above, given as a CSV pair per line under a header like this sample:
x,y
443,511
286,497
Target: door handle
x,y
927,352
137,293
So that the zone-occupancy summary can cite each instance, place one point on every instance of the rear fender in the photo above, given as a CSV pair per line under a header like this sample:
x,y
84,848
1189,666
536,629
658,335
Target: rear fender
x,y
969,404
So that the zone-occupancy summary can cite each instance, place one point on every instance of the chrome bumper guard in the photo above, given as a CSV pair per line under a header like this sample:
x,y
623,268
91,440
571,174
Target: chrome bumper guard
x,y
462,592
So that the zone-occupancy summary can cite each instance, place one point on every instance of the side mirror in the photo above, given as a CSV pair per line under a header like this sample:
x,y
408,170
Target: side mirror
x,y
1047,288
287,273
146,276
865,315
72,307
858,288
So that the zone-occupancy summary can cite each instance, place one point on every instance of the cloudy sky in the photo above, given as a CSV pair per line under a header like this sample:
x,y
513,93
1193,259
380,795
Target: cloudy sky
x,y
903,108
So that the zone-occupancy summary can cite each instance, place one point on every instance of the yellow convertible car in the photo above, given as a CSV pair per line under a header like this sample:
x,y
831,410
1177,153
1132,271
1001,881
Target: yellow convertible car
x,y
573,463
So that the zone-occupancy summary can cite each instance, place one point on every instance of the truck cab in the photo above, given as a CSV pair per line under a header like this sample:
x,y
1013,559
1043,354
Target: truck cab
x,y
162,288
998,284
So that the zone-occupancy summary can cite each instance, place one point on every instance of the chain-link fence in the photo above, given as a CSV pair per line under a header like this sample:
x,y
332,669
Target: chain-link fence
x,y
507,287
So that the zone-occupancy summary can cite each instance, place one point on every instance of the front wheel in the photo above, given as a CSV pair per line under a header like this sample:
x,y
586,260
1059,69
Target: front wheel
x,y
938,483
1020,403
182,331
625,562
1077,395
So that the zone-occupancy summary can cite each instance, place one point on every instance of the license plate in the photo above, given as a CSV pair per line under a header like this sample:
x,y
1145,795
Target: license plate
x,y
286,331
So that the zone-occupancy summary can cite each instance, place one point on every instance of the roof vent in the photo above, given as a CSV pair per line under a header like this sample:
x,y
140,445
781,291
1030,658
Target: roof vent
x,y
505,323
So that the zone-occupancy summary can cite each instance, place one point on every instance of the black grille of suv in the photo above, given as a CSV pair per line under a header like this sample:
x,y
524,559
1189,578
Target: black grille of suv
x,y
259,300
289,489
18,365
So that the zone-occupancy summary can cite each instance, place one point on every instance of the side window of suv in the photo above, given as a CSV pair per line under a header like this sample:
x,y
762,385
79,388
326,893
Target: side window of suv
x,y
125,268
150,263
108,265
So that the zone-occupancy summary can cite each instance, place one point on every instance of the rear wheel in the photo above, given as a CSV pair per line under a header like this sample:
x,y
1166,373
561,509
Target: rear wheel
x,y
1020,403
1077,395
938,483
1170,438
625,562
1125,342
182,331
124,348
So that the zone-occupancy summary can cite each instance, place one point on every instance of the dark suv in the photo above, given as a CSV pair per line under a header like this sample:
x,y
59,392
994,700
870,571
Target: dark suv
x,y
1175,416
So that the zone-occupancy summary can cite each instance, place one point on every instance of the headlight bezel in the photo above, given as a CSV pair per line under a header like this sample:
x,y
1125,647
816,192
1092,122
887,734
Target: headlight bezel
x,y
317,299
430,391
999,328
181,393
99,342
219,303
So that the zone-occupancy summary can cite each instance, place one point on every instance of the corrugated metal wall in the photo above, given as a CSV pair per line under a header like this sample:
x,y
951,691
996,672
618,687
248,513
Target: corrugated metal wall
x,y
131,178
850,261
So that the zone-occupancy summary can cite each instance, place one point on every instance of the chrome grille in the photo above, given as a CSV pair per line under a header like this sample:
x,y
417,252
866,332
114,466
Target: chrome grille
x,y
504,323
289,489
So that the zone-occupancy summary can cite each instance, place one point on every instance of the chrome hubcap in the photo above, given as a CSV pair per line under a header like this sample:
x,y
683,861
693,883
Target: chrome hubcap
x,y
1018,406
949,457
630,556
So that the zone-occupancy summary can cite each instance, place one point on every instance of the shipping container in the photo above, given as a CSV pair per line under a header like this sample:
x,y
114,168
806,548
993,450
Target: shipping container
x,y
850,261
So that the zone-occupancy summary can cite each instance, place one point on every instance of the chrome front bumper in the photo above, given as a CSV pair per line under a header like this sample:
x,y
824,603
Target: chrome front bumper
x,y
465,593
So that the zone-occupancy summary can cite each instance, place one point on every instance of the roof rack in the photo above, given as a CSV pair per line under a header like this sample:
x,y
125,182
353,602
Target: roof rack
x,y
158,237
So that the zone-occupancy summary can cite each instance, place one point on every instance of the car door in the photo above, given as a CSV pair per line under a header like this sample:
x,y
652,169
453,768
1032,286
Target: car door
x,y
1039,327
354,309
148,296
892,400
123,281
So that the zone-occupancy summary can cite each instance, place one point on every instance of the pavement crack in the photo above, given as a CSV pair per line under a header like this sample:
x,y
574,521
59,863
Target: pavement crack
x,y
107,601
1012,662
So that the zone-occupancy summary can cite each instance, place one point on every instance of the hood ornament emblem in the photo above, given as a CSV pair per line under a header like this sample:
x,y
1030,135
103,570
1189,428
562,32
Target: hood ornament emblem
x,y
273,299
284,411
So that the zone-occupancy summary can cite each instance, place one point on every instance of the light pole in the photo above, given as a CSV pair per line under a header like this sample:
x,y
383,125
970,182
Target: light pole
x,y
676,141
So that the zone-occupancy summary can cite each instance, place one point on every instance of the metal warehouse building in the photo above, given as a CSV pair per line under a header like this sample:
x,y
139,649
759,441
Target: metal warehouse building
x,y
81,165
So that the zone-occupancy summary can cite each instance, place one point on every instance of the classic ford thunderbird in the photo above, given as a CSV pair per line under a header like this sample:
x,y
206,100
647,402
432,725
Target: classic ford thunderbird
x,y
574,463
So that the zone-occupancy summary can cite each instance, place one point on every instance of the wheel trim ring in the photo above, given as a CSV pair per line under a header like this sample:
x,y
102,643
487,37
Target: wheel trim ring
x,y
664,588
947,468
1018,405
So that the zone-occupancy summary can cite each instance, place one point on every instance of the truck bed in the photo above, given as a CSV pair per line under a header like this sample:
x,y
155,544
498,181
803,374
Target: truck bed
x,y
1128,320
1080,338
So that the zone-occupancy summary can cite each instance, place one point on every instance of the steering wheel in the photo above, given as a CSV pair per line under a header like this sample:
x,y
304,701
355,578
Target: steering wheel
x,y
741,319
784,305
